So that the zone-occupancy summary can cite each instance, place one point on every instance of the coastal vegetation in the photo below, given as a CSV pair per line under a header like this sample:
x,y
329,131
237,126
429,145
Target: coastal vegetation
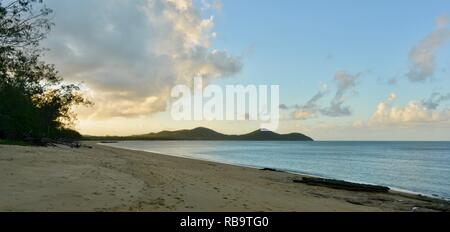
x,y
35,102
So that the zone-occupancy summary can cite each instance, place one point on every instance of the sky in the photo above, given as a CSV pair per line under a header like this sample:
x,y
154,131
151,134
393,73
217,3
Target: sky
x,y
347,70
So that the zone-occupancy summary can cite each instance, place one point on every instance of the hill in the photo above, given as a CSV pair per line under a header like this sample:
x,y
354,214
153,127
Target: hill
x,y
202,133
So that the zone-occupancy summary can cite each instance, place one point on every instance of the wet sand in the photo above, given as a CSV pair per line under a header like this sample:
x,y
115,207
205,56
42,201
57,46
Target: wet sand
x,y
102,178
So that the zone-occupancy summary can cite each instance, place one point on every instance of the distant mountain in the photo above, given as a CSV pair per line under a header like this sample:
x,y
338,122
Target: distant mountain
x,y
265,135
194,134
202,133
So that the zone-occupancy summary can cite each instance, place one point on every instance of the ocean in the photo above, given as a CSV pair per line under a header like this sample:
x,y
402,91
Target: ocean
x,y
418,167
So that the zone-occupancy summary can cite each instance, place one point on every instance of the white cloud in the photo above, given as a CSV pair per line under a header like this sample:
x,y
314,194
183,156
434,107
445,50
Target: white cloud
x,y
214,4
392,97
413,112
303,114
422,56
129,53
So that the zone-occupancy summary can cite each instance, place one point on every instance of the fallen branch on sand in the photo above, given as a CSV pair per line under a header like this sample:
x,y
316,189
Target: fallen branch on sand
x,y
338,184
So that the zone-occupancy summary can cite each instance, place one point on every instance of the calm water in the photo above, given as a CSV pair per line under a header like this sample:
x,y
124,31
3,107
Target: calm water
x,y
422,167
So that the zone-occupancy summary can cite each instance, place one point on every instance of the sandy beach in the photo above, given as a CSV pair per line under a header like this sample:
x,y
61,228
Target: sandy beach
x,y
102,178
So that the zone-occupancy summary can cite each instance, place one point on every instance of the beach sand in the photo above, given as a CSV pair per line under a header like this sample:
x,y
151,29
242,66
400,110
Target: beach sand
x,y
110,179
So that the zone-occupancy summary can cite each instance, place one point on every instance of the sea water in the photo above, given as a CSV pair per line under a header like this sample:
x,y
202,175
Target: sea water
x,y
420,167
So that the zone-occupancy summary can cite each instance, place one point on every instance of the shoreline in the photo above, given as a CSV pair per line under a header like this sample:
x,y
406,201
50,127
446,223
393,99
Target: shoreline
x,y
301,174
109,179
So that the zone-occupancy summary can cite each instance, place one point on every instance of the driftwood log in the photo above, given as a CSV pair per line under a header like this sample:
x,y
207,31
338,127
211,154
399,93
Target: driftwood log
x,y
45,142
270,170
339,184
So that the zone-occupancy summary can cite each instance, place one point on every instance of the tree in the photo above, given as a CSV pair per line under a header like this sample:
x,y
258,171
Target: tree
x,y
34,100
22,25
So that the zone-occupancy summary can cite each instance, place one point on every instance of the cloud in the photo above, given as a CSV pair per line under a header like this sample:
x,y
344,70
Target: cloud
x,y
392,81
435,100
130,53
413,112
214,4
310,108
284,107
442,21
345,82
422,56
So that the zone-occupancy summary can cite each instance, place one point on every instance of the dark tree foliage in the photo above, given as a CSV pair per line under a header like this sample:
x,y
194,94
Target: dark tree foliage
x,y
34,101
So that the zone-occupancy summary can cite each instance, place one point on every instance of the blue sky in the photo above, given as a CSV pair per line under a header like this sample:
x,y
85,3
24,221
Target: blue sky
x,y
363,49
301,44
